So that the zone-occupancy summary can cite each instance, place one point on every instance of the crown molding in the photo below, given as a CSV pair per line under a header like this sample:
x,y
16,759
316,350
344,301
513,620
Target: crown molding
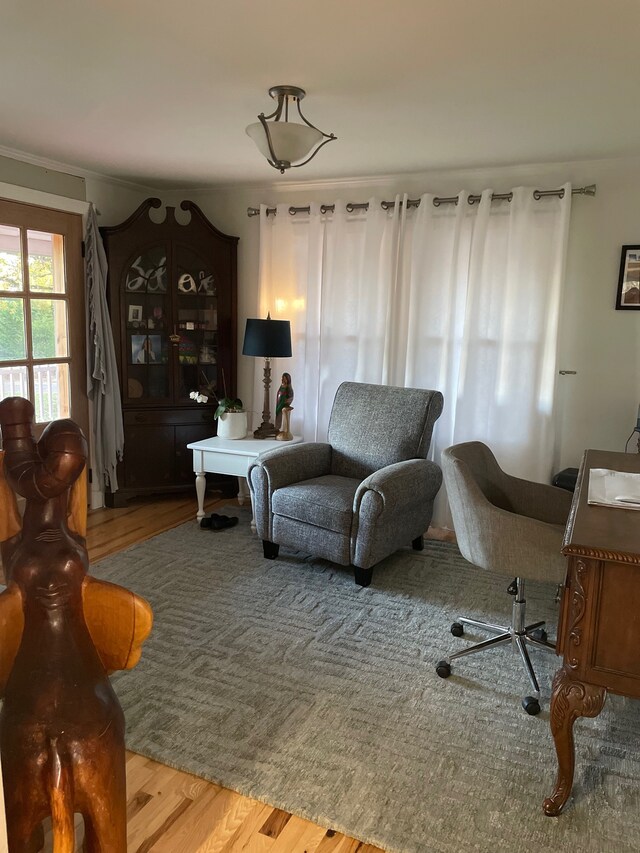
x,y
310,185
276,187
504,172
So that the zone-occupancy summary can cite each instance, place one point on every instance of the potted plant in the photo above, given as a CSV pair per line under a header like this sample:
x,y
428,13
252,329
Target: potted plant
x,y
231,417
230,412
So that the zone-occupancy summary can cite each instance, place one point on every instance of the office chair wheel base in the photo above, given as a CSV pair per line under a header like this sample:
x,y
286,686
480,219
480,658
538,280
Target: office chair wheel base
x,y
443,669
531,705
457,629
539,634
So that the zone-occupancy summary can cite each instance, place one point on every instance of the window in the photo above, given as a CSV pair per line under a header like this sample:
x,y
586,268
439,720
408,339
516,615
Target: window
x,y
42,311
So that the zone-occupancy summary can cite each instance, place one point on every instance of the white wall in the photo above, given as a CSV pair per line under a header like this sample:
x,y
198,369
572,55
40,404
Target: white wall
x,y
40,178
597,407
115,201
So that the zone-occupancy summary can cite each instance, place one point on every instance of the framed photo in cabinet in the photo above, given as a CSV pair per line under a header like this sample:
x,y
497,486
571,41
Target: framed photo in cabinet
x,y
135,313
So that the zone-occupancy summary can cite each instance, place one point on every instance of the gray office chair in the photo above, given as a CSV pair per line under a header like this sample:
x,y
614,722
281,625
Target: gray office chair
x,y
505,524
361,495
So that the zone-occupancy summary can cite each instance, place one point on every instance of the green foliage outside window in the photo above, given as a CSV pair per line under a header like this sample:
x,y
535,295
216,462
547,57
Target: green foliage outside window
x,y
12,346
10,271
11,330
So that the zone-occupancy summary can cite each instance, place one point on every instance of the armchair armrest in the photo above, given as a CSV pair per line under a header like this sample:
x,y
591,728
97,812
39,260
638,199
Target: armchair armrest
x,y
392,507
402,483
282,467
286,465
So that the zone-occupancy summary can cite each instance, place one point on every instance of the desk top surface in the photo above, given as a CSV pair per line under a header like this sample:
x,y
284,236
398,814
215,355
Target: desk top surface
x,y
605,533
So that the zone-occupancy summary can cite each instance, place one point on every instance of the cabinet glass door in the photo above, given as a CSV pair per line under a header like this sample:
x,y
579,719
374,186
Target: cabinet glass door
x,y
196,325
146,332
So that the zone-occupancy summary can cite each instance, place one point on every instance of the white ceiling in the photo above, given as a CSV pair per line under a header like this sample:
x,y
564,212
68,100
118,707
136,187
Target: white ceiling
x,y
159,92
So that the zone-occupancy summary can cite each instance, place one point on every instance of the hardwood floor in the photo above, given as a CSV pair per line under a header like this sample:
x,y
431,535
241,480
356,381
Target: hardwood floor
x,y
173,812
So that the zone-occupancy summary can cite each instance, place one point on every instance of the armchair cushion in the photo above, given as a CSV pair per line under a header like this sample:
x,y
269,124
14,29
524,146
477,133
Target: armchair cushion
x,y
324,501
397,422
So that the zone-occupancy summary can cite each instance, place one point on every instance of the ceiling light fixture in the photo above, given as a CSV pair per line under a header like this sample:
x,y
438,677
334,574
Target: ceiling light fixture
x,y
285,142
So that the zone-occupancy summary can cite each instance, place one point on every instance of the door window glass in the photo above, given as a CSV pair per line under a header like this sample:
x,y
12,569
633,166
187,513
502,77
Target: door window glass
x,y
34,320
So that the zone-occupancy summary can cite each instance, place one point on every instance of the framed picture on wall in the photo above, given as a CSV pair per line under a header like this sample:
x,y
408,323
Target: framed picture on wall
x,y
629,279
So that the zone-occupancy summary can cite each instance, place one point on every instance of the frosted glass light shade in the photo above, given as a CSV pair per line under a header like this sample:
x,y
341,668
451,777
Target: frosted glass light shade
x,y
291,141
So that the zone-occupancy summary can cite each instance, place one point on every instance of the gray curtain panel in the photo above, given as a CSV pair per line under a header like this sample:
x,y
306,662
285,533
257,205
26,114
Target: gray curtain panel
x,y
103,387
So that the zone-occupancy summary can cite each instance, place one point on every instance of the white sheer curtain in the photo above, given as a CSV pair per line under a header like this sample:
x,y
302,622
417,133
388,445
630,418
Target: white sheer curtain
x,y
461,298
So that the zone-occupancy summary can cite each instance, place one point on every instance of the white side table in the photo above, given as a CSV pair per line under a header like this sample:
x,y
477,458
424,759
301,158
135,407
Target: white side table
x,y
228,456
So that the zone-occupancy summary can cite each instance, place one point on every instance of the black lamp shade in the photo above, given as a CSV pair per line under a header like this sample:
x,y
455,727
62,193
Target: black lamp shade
x,y
267,338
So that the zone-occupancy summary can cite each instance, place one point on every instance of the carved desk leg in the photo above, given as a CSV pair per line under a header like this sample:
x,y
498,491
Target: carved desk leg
x,y
570,699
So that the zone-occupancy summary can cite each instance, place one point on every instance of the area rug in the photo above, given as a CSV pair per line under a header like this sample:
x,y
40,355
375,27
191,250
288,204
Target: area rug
x,y
285,681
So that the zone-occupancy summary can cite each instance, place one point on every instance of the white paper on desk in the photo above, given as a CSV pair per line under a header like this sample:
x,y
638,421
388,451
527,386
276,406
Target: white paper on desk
x,y
608,488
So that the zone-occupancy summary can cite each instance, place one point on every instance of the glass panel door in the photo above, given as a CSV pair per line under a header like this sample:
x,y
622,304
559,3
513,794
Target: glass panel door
x,y
42,354
146,337
197,326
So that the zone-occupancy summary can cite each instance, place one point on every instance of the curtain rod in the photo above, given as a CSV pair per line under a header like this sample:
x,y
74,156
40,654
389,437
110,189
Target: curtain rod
x,y
415,202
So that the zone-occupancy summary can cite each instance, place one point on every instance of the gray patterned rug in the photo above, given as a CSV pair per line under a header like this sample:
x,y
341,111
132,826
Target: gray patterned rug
x,y
285,681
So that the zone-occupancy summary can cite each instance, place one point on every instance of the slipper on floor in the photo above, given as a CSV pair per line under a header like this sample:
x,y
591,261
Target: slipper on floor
x,y
223,521
208,521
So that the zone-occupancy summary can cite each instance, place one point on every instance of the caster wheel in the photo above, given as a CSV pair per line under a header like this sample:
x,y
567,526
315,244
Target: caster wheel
x,y
531,705
457,629
539,634
443,669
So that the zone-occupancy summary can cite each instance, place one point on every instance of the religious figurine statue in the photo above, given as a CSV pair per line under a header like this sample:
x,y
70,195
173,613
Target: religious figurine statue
x,y
284,399
61,633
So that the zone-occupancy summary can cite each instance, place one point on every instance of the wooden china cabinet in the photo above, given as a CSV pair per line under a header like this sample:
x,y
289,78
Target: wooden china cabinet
x,y
172,298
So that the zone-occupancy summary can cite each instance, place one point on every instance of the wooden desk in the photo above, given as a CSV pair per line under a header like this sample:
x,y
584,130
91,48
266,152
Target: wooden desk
x,y
599,628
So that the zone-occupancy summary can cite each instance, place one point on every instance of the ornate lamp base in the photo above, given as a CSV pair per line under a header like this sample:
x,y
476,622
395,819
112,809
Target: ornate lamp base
x,y
266,428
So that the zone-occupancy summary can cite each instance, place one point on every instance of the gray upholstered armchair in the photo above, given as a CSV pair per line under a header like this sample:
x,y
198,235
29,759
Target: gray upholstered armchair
x,y
365,492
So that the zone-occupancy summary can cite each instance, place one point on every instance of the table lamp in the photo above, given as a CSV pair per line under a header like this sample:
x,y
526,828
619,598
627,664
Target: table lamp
x,y
267,339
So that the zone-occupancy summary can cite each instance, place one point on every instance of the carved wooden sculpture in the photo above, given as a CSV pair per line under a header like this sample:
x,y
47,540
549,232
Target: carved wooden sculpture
x,y
61,632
